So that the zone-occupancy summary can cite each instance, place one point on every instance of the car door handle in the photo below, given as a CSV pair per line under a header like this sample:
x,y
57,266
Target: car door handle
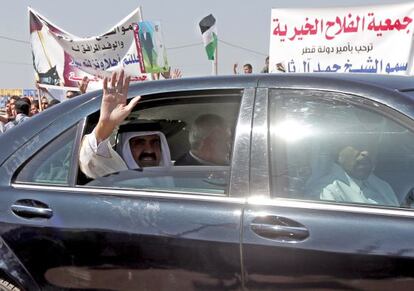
x,y
267,230
279,228
27,211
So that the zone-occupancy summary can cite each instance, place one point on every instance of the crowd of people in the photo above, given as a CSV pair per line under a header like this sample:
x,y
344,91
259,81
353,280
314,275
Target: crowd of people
x,y
18,109
248,68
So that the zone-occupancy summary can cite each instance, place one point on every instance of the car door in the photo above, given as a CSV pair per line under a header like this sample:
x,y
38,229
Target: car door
x,y
295,238
72,234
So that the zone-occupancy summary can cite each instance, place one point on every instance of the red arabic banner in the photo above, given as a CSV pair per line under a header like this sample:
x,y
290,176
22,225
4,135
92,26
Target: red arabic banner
x,y
374,39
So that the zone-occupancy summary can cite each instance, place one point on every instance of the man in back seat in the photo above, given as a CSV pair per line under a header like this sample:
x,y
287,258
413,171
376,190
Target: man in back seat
x,y
210,141
139,149
352,180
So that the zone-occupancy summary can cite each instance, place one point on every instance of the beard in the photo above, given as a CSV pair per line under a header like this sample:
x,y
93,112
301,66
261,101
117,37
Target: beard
x,y
147,160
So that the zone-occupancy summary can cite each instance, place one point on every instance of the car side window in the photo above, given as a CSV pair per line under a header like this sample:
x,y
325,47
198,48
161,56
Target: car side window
x,y
174,144
52,164
329,149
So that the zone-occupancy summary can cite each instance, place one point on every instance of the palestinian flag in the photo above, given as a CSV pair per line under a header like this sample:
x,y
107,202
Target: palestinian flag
x,y
209,33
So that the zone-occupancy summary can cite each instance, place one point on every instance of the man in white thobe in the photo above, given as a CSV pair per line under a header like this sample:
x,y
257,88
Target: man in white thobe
x,y
97,158
352,180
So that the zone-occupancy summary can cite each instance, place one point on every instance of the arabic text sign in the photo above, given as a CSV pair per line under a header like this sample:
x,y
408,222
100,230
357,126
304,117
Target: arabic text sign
x,y
375,39
62,59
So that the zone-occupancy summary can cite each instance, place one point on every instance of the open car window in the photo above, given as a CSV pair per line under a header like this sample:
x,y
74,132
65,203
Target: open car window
x,y
195,133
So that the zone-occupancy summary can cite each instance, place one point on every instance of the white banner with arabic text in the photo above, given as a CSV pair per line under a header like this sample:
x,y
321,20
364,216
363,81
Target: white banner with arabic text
x,y
364,39
62,59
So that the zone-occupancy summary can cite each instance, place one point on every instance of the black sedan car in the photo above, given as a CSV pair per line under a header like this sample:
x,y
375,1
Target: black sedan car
x,y
317,193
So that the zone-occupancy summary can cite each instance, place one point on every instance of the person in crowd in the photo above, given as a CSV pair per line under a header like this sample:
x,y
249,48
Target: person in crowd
x,y
280,68
352,180
82,85
97,158
44,103
12,101
8,116
235,68
265,69
247,69
26,99
8,109
34,108
71,93
209,139
22,110
53,102
170,74
3,121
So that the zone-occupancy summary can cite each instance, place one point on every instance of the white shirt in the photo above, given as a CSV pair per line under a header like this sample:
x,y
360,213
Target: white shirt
x,y
97,160
343,188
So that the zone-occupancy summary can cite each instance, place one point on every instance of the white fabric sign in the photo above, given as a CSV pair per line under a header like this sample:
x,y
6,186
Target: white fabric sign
x,y
62,59
374,39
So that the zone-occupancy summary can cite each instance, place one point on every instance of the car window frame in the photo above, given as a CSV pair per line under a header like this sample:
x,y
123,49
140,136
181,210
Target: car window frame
x,y
239,179
52,142
359,101
239,170
35,145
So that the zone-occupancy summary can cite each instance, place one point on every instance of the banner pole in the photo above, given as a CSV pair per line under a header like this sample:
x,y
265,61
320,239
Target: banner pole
x,y
215,62
140,13
216,59
39,99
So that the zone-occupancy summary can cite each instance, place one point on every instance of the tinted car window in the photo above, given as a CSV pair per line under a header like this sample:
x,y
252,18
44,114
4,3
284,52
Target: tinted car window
x,y
178,119
52,164
328,149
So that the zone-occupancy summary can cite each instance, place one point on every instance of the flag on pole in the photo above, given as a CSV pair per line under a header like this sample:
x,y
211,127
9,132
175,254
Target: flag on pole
x,y
209,32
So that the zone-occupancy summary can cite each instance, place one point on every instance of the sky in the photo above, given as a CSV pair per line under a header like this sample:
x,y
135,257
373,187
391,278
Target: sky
x,y
243,29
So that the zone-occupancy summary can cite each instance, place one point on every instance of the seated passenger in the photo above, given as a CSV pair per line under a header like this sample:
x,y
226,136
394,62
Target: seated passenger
x,y
352,180
145,149
209,139
138,150
97,158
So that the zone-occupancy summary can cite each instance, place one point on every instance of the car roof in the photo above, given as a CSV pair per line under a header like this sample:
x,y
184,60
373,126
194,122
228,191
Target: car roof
x,y
394,82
